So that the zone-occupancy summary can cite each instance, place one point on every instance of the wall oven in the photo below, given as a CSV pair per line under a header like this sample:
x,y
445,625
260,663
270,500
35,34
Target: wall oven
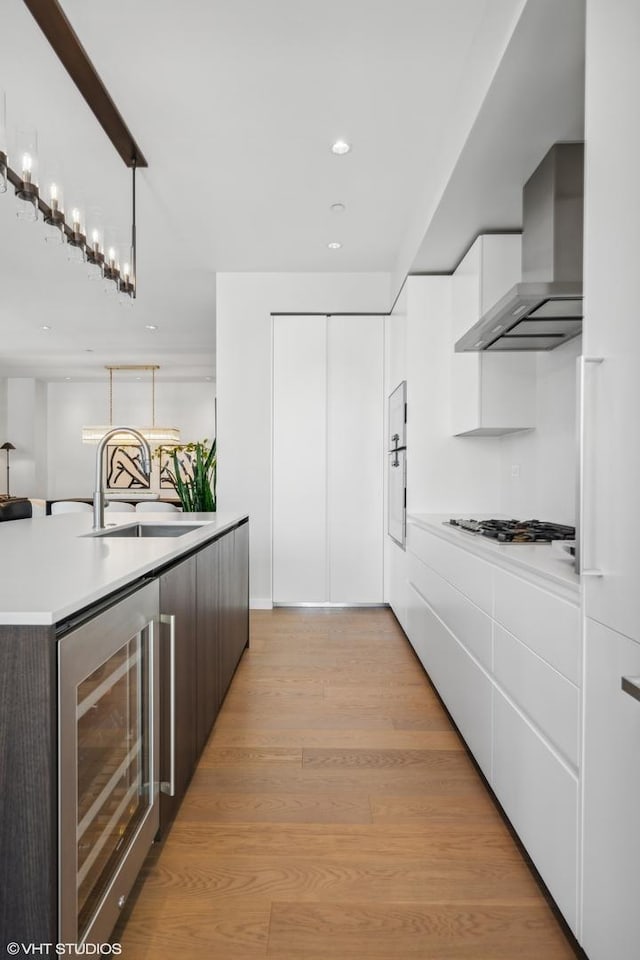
x,y
108,688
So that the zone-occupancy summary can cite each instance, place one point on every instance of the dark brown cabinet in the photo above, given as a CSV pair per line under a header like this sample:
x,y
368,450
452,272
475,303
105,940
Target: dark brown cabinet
x,y
222,621
207,662
207,597
177,684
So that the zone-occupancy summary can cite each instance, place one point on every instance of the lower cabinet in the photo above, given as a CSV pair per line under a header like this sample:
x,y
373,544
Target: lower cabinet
x,y
540,796
204,602
515,699
463,685
209,618
611,848
177,677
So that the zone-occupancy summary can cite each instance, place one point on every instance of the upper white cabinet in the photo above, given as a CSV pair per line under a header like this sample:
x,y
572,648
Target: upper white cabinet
x,y
327,459
492,393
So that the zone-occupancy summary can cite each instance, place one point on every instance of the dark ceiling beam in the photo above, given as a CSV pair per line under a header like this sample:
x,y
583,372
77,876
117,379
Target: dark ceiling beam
x,y
51,19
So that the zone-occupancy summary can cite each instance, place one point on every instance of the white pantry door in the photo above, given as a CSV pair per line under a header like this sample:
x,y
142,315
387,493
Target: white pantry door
x,y
299,459
356,458
328,459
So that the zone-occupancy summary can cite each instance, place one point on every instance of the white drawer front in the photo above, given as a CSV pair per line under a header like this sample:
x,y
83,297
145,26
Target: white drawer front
x,y
467,622
469,574
547,624
551,701
540,797
463,686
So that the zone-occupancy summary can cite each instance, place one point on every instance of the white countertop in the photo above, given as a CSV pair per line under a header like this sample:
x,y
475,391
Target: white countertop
x,y
50,568
539,559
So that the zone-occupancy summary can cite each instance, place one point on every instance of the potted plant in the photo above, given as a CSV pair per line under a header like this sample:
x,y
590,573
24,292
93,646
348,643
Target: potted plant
x,y
193,475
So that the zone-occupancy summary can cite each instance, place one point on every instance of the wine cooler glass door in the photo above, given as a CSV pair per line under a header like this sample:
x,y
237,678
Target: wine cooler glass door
x,y
108,794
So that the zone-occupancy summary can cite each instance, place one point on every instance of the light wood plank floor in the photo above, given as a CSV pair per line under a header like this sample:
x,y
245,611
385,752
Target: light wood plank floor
x,y
335,814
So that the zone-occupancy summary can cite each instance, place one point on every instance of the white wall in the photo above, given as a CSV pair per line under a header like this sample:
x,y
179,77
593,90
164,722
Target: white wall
x,y
395,371
545,458
3,408
26,428
244,384
71,464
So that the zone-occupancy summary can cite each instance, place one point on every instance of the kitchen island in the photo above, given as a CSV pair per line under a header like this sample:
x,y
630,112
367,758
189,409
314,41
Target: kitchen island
x,y
61,582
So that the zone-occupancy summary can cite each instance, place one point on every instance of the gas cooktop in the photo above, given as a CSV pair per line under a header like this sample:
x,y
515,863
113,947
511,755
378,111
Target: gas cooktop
x,y
516,531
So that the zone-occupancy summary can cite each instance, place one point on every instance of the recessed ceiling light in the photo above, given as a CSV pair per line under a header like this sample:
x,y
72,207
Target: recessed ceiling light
x,y
337,208
45,327
334,245
67,378
150,326
340,147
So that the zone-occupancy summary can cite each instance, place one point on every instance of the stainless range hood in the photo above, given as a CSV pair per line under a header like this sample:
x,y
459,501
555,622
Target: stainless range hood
x,y
545,310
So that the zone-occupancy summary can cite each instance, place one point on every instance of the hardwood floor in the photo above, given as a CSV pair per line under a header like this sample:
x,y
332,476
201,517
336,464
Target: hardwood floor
x,y
336,814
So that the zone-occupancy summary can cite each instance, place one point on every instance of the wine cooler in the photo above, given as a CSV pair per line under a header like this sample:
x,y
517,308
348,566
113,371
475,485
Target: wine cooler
x,y
108,762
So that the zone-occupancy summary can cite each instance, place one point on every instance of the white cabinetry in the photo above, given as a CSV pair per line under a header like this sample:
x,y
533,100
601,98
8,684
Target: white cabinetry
x,y
327,459
492,393
611,458
611,854
398,581
540,796
463,685
504,653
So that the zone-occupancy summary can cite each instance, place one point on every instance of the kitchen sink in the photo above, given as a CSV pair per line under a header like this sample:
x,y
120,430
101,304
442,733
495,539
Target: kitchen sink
x,y
150,530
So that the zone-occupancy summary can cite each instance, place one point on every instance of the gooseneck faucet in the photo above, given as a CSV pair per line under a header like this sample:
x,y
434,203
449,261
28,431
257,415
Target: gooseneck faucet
x,y
98,496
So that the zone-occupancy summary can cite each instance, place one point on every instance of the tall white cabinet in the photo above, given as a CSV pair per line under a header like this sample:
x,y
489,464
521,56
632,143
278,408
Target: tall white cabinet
x,y
610,484
328,459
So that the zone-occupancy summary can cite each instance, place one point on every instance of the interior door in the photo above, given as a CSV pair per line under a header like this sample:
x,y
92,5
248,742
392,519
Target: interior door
x,y
299,459
355,474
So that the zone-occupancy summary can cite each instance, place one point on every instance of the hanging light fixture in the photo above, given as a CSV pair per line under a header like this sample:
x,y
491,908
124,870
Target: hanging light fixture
x,y
81,248
154,434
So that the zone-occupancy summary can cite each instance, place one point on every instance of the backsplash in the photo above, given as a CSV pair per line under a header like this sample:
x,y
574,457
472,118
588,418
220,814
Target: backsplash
x,y
538,469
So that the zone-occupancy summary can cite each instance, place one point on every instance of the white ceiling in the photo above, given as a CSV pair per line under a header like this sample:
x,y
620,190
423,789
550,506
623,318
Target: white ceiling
x,y
235,104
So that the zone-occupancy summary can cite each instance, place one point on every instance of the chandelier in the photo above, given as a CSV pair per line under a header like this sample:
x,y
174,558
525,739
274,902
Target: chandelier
x,y
41,198
154,434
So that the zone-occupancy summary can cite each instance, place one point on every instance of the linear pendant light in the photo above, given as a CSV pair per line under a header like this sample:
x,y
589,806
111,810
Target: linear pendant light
x,y
154,434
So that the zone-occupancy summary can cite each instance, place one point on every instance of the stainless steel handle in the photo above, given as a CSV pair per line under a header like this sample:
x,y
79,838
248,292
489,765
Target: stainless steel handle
x,y
152,710
631,685
582,566
169,787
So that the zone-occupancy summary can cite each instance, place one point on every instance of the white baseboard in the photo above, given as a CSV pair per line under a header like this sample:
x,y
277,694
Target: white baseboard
x,y
257,603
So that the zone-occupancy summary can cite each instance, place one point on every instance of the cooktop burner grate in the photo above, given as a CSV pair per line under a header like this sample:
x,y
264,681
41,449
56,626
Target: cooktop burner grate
x,y
516,531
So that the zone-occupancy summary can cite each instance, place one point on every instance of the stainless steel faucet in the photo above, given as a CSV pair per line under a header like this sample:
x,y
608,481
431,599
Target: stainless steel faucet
x,y
98,496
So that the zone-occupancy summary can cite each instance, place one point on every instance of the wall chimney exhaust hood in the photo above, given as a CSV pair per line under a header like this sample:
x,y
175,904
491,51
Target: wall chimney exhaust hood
x,y
545,310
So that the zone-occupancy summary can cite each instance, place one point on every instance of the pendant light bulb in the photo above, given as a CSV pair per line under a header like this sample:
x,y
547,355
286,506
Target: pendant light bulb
x,y
54,219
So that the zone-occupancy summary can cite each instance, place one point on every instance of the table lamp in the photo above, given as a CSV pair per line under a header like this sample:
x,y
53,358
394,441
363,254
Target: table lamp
x,y
7,446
